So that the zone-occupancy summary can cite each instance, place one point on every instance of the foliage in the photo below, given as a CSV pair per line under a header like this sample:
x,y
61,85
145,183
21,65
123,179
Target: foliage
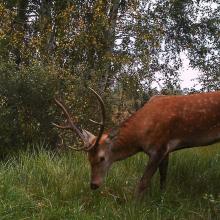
x,y
103,40
26,98
27,107
44,185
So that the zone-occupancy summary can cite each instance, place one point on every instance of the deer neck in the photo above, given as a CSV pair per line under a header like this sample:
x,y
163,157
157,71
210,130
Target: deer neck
x,y
123,145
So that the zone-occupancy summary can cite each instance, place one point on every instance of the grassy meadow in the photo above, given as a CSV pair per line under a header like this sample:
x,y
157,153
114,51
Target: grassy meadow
x,y
46,185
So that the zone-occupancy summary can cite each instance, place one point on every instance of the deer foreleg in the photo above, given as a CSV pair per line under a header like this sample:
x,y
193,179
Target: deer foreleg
x,y
163,171
153,164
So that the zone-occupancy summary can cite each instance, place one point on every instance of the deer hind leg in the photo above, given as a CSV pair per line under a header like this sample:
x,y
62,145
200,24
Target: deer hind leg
x,y
163,171
153,163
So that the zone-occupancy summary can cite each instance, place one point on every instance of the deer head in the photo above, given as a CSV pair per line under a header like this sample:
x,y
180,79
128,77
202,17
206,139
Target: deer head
x,y
97,147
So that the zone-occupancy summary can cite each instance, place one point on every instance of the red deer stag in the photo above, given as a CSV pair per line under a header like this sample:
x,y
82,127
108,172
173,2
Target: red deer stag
x,y
163,125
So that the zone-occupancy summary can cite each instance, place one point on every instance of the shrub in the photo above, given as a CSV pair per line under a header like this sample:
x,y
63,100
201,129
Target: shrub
x,y
26,110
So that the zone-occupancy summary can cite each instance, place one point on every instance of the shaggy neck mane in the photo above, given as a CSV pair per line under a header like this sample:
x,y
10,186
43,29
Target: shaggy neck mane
x,y
126,122
122,135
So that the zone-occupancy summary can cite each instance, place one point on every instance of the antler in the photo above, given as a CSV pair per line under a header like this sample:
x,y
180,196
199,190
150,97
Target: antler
x,y
83,134
87,137
102,123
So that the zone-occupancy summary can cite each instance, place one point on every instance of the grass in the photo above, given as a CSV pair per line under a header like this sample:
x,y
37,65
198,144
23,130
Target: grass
x,y
44,185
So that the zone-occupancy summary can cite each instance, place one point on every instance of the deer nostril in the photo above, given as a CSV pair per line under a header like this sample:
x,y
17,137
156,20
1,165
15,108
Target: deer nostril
x,y
94,186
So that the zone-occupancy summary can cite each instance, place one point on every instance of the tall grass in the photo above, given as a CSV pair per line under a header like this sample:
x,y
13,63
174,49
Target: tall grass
x,y
45,185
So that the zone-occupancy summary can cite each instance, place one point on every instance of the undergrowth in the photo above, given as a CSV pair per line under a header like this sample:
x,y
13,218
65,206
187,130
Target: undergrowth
x,y
48,185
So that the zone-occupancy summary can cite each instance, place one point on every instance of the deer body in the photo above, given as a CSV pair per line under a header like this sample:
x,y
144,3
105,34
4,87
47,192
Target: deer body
x,y
175,121
162,125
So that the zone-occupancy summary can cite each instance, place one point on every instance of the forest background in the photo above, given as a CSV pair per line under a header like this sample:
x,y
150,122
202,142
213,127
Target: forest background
x,y
126,50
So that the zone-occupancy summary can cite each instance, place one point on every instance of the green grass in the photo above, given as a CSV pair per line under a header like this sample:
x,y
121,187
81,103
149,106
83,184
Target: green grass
x,y
44,185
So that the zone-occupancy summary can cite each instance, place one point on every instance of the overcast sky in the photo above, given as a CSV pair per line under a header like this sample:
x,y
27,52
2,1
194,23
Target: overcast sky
x,y
188,75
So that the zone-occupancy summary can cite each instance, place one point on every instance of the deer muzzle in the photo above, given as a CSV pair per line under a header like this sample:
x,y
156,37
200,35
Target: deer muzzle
x,y
94,186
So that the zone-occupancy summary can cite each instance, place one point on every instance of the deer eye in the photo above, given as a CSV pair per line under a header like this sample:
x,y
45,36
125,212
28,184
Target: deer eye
x,y
102,159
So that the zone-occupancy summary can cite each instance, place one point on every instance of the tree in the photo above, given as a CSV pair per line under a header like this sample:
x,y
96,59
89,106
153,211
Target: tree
x,y
118,47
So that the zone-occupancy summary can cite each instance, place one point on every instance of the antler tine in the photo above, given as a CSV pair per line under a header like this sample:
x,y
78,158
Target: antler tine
x,y
102,123
61,126
95,122
86,148
71,126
